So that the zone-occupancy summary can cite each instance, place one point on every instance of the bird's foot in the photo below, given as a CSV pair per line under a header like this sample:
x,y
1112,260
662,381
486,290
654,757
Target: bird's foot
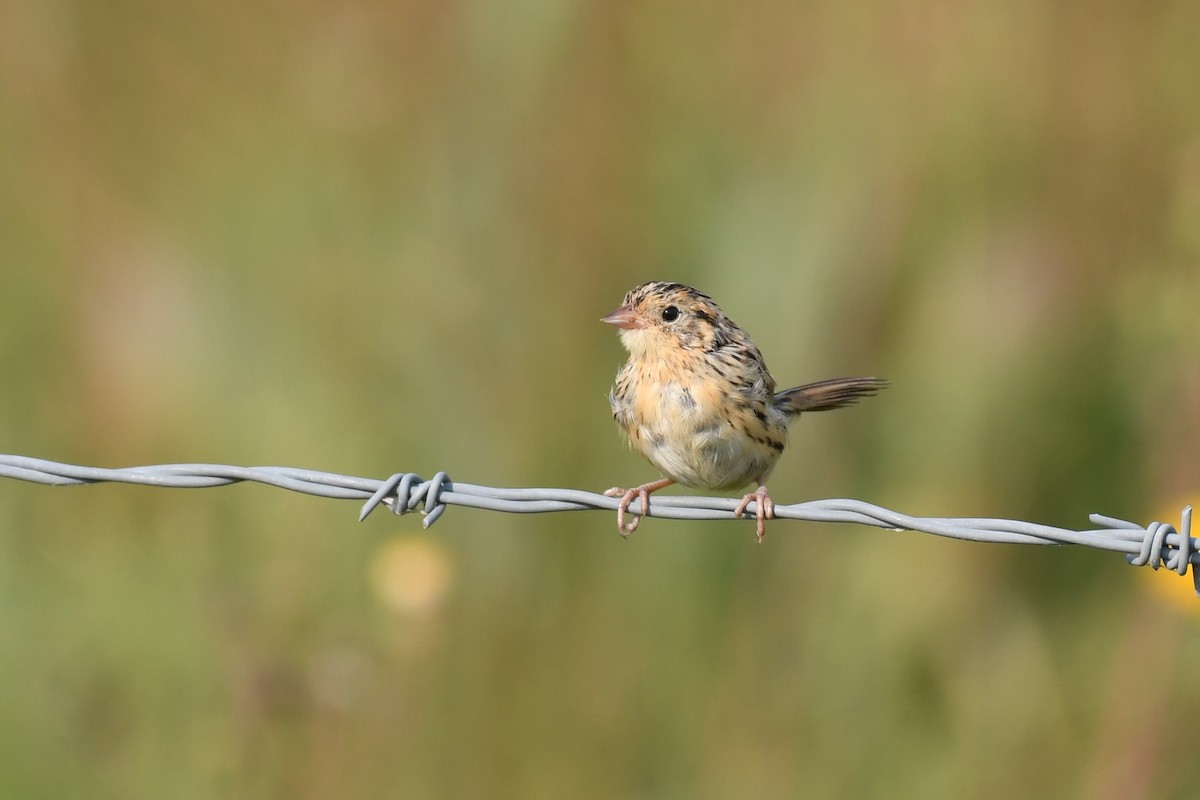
x,y
765,509
627,496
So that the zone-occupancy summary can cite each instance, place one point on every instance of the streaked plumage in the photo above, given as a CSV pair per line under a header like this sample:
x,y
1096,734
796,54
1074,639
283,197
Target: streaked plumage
x,y
696,399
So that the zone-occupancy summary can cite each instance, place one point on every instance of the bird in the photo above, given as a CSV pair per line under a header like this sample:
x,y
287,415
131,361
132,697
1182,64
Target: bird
x,y
696,399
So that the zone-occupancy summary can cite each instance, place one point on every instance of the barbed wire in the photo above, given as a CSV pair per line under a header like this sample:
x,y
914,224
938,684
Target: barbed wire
x,y
1158,544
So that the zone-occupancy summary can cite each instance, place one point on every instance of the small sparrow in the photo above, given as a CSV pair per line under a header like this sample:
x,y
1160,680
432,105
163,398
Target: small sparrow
x,y
696,399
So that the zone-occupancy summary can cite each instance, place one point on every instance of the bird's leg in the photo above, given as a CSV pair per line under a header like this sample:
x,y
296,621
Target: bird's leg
x,y
766,508
627,497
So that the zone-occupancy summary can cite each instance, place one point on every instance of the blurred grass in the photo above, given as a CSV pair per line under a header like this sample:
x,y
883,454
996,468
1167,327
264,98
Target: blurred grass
x,y
367,237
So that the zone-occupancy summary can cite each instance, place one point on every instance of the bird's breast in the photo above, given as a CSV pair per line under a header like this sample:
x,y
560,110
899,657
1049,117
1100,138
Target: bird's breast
x,y
691,428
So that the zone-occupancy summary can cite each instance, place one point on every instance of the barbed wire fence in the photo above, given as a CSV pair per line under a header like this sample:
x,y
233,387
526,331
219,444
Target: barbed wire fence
x,y
1155,545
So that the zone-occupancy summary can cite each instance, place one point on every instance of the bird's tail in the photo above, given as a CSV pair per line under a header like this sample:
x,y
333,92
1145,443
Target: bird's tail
x,y
824,395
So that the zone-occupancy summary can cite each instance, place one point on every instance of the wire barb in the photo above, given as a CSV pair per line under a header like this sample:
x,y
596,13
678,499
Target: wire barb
x,y
1164,546
1156,545
398,494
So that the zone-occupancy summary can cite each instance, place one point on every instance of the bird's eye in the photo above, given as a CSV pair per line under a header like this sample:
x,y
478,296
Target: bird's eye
x,y
670,313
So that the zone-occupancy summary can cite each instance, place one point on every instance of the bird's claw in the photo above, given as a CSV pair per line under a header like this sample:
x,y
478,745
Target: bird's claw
x,y
765,510
627,497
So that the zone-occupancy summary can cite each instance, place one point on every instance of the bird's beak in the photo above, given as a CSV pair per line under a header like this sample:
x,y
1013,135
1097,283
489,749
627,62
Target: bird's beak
x,y
625,318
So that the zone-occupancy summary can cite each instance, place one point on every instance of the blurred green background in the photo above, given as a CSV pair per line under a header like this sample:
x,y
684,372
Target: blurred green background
x,y
368,237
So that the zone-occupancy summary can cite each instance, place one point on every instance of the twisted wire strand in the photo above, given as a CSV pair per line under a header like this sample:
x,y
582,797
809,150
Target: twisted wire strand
x,y
1158,544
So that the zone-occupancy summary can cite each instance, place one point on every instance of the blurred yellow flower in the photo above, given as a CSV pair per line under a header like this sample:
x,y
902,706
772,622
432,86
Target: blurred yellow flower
x,y
412,576
1173,590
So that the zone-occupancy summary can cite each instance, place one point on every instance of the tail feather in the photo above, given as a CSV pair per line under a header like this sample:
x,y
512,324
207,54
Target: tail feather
x,y
824,395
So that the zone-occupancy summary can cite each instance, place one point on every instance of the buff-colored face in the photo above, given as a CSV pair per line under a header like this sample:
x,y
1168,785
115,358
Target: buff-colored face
x,y
668,315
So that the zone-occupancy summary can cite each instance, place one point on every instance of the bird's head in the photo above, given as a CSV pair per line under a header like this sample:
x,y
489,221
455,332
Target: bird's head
x,y
661,315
